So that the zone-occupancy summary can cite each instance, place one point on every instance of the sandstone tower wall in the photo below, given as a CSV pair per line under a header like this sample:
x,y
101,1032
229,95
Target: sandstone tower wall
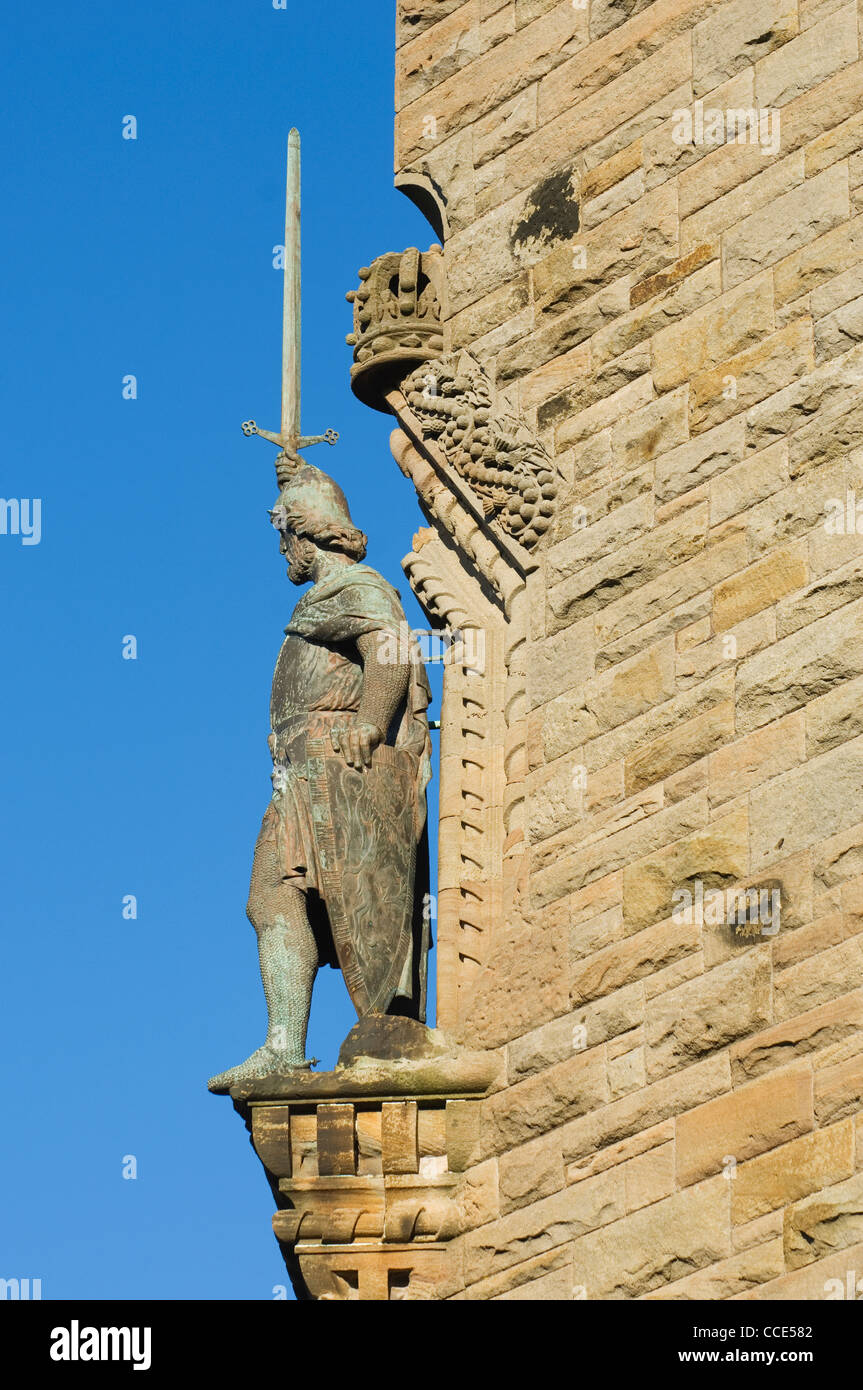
x,y
680,321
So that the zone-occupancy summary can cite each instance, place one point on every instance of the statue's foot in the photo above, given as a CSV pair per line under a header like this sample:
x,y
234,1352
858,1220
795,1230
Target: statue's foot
x,y
267,1061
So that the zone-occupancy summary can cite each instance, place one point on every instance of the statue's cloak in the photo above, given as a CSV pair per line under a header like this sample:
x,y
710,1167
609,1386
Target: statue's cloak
x,y
356,839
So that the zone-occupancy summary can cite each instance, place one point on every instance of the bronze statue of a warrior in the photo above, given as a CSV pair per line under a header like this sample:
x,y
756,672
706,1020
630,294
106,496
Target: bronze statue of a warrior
x,y
341,865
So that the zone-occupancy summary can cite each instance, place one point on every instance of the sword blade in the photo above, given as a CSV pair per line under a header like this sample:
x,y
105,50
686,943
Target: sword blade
x,y
291,321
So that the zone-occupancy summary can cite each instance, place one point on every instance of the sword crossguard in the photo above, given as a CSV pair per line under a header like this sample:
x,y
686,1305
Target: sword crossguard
x,y
328,437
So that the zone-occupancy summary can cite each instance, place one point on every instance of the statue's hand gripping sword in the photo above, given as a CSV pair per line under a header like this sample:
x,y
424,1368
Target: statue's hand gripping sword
x,y
290,440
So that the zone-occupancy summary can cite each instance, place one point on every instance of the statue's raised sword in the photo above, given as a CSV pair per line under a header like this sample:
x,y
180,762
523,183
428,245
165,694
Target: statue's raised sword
x,y
290,440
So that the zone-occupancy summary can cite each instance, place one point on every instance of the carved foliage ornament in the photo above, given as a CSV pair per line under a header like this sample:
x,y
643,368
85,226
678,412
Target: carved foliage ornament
x,y
506,465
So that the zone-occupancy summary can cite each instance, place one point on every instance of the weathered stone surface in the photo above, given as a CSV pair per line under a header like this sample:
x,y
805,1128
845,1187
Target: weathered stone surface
x,y
550,1222
562,870
708,1012
673,1095
752,375
748,191
541,1103
529,1172
798,1037
826,1278
839,1090
623,962
807,60
799,668
655,1246
649,1177
692,464
782,1176
738,35
553,1264
760,1116
835,718
694,739
716,855
760,585
476,1196
747,762
611,1015
819,262
728,1278
797,217
758,1232
806,804
729,324
819,979
829,1220
630,567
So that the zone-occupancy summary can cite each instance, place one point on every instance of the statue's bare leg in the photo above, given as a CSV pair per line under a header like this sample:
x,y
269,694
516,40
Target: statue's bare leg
x,y
288,956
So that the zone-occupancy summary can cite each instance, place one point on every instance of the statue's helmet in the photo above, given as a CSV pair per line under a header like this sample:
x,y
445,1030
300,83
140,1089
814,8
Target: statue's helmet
x,y
312,505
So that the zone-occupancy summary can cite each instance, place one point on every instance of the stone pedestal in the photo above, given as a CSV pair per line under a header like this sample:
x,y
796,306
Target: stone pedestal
x,y
365,1162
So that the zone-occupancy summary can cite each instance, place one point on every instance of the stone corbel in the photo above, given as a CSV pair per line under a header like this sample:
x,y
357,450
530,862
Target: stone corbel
x,y
366,1165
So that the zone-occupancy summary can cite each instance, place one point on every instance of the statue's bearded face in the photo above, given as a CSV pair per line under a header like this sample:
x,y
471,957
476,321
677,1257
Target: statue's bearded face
x,y
300,555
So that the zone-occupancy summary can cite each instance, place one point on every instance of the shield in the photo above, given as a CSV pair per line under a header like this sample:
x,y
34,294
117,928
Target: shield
x,y
364,827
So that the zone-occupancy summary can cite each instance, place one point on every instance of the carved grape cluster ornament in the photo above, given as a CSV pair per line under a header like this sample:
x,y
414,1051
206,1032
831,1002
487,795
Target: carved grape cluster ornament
x,y
508,467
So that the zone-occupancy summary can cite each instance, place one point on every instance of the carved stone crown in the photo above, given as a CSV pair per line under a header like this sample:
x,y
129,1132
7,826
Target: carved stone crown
x,y
396,321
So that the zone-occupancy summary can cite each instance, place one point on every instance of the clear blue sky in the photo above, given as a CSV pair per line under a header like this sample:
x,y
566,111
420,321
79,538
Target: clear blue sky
x,y
153,257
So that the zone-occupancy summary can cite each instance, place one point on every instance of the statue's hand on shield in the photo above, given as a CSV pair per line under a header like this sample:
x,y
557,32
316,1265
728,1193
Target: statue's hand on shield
x,y
356,741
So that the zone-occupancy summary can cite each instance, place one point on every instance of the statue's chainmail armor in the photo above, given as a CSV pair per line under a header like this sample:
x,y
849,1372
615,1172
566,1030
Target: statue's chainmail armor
x,y
384,684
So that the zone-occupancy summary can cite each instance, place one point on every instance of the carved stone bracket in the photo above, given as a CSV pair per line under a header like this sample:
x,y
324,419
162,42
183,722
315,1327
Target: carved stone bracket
x,y
365,1164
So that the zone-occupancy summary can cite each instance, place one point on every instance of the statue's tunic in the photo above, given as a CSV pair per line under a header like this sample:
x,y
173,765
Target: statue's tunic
x,y
318,682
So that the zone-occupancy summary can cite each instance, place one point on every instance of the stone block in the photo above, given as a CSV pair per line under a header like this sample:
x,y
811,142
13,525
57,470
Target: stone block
x,y
807,60
797,217
649,1177
751,376
825,1222
798,1036
819,262
708,1013
738,319
807,804
760,1116
718,853
744,484
681,746
656,1245
790,1172
644,1109
801,667
839,1091
833,1277
530,1172
544,1225
336,1140
728,1278
736,36
760,585
757,758
541,1103
399,1150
